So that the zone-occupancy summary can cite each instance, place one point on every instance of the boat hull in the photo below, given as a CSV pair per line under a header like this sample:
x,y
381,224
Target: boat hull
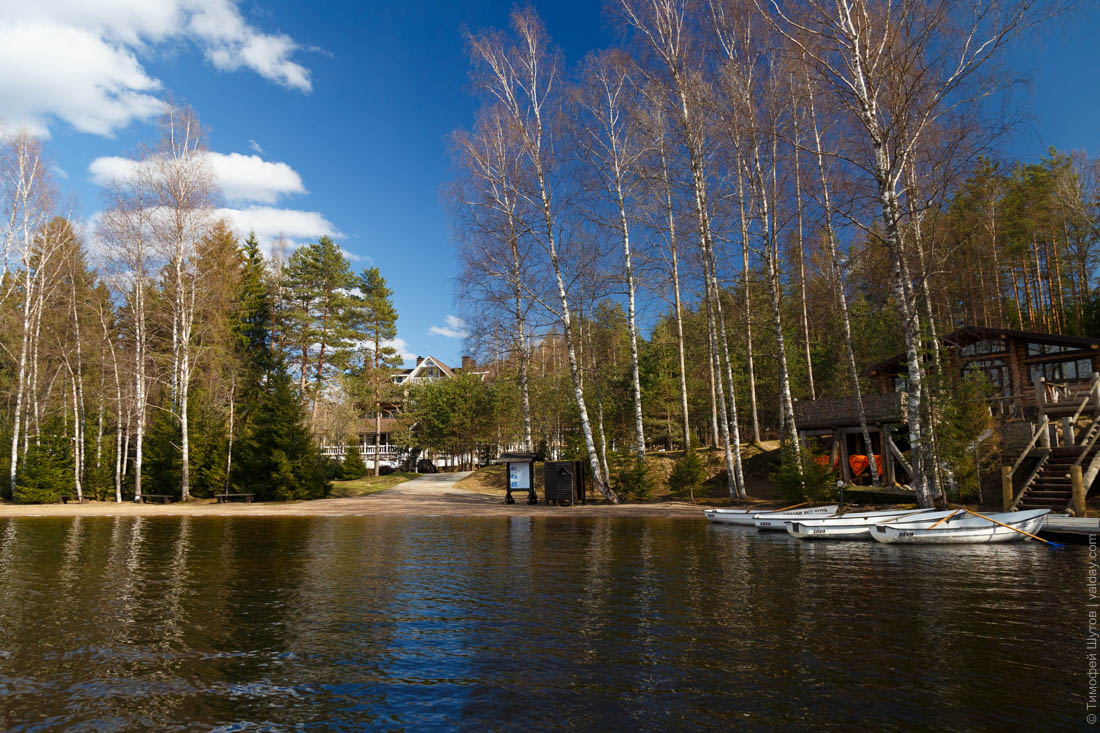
x,y
968,531
846,526
747,517
738,517
777,521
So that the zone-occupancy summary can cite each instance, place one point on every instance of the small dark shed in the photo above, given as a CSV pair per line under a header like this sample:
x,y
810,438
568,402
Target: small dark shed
x,y
564,482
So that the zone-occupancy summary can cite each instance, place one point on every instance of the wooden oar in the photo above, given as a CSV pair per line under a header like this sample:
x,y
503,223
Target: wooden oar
x,y
952,514
911,514
786,508
1014,529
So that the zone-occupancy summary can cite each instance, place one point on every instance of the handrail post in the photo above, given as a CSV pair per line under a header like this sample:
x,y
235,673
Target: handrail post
x,y
1076,480
1044,436
1006,487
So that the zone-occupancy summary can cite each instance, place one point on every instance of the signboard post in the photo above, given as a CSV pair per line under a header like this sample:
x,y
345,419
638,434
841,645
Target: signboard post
x,y
519,476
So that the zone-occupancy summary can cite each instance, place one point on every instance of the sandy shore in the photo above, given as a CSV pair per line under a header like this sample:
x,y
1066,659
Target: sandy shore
x,y
432,495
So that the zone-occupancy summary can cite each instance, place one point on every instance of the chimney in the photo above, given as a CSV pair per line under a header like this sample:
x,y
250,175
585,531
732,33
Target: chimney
x,y
419,359
467,363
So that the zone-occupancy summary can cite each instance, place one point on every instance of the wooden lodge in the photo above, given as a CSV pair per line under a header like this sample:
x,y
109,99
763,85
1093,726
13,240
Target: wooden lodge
x,y
1046,405
1014,362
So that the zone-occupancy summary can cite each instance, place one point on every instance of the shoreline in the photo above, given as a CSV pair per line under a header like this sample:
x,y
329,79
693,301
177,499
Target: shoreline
x,y
349,507
433,496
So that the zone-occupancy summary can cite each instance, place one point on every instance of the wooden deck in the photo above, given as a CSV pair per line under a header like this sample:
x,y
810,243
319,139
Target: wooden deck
x,y
1063,528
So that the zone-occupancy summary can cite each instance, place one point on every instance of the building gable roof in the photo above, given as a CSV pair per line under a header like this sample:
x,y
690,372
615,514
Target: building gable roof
x,y
427,361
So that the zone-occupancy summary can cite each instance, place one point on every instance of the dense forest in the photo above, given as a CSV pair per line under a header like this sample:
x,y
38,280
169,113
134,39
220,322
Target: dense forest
x,y
156,352
745,204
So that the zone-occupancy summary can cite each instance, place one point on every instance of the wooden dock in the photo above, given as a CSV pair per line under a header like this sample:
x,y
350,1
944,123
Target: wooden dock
x,y
1064,528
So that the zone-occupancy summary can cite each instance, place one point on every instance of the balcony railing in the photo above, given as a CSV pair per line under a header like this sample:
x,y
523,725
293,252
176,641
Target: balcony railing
x,y
338,451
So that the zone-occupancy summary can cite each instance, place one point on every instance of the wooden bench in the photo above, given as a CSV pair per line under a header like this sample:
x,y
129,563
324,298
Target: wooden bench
x,y
74,498
222,498
157,498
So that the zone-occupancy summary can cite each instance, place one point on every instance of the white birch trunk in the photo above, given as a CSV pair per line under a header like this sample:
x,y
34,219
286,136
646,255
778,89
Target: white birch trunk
x,y
670,216
746,285
830,234
801,250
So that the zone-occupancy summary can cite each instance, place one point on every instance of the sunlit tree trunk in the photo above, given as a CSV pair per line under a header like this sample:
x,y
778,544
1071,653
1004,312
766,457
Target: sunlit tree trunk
x,y
842,298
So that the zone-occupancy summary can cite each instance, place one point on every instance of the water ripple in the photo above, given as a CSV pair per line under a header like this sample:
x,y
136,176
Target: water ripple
x,y
533,624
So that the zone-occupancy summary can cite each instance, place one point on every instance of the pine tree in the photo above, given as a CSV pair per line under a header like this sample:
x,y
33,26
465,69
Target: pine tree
x,y
376,321
318,279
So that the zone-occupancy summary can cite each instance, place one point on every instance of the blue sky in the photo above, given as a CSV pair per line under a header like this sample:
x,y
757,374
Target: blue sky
x,y
339,113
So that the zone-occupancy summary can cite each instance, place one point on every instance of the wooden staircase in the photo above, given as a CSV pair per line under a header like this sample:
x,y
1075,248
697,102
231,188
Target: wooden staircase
x,y
1049,486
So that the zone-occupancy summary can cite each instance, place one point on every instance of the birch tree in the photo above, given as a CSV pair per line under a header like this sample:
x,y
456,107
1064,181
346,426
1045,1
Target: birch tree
x,y
184,191
663,28
126,228
497,264
27,192
524,79
659,181
611,144
894,70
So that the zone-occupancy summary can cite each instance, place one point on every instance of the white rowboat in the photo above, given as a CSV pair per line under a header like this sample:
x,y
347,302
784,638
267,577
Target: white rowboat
x,y
777,521
747,517
855,526
740,517
963,528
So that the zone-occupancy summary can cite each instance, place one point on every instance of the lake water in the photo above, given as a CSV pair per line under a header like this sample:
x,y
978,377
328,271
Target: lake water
x,y
520,623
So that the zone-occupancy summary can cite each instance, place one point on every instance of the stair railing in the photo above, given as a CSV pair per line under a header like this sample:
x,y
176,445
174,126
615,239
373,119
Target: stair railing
x,y
1088,397
1088,445
1044,428
1030,480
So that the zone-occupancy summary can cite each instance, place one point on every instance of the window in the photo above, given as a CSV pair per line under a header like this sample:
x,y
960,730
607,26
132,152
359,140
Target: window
x,y
985,346
901,383
1041,349
1060,371
995,371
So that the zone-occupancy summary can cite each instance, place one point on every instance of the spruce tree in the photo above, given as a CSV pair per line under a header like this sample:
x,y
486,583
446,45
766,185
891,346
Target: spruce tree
x,y
47,470
353,463
275,456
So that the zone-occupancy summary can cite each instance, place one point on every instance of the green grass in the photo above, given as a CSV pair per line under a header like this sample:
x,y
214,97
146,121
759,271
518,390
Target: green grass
x,y
369,484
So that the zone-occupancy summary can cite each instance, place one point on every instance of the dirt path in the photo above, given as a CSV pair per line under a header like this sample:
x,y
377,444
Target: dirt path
x,y
430,495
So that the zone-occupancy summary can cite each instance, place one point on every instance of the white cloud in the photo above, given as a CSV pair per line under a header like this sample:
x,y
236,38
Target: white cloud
x,y
455,329
402,348
78,62
251,178
55,71
272,224
242,178
255,146
250,185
